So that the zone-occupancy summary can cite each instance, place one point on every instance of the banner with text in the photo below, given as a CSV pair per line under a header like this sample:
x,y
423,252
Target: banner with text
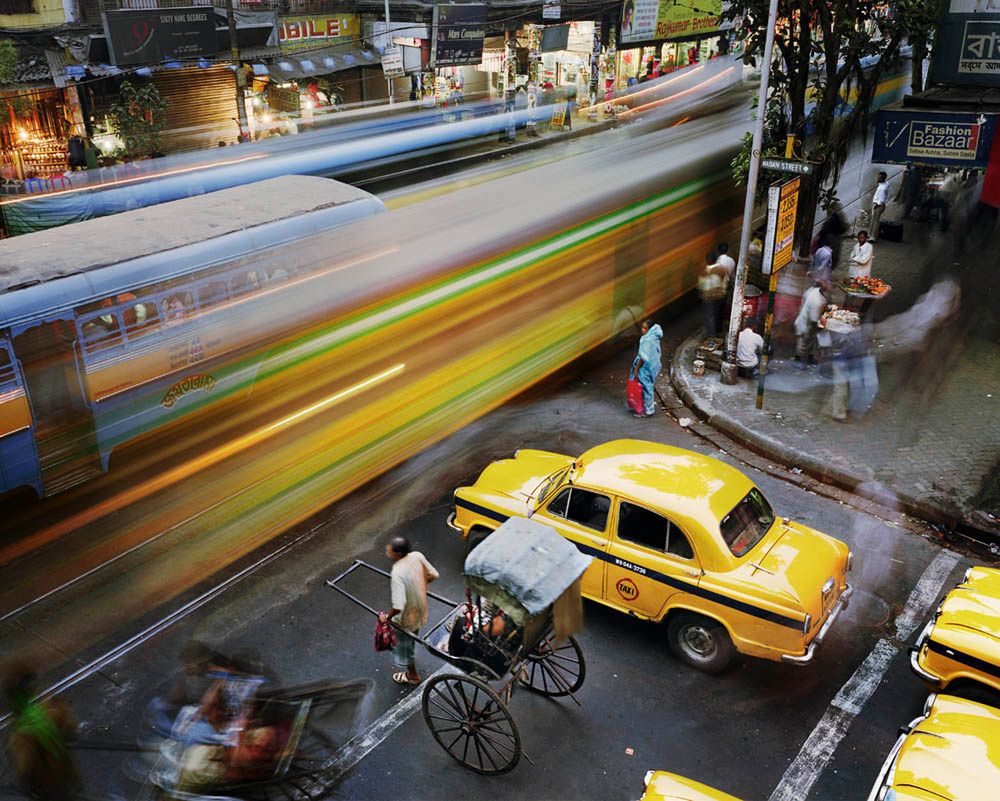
x,y
157,35
928,137
647,20
967,44
302,31
779,242
459,31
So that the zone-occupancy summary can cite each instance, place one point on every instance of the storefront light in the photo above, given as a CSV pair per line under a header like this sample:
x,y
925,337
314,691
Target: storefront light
x,y
310,104
266,118
22,135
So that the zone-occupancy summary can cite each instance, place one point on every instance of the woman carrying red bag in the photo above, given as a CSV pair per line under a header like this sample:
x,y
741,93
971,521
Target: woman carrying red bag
x,y
646,368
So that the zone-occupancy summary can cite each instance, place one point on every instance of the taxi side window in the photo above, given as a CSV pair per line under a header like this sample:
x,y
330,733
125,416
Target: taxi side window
x,y
650,530
582,506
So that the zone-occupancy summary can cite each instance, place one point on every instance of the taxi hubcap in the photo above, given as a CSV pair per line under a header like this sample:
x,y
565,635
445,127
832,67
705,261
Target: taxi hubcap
x,y
698,642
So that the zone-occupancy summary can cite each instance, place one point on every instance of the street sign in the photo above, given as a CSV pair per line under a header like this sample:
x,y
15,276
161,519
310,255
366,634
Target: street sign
x,y
786,165
782,202
392,63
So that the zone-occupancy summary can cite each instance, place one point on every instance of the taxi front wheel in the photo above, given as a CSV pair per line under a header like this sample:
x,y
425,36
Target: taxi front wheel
x,y
700,642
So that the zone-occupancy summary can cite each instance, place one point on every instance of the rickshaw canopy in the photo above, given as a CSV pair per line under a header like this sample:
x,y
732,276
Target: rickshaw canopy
x,y
524,567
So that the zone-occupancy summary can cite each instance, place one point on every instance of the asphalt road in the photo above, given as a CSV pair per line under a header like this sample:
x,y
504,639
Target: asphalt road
x,y
639,709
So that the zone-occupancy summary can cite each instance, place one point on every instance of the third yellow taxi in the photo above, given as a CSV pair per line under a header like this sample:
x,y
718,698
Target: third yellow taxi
x,y
663,786
959,648
677,537
950,753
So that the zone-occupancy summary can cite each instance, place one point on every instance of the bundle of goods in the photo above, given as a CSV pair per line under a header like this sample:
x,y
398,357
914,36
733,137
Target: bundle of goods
x,y
840,318
867,284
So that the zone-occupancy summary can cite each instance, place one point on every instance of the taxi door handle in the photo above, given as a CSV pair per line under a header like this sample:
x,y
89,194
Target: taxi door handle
x,y
693,573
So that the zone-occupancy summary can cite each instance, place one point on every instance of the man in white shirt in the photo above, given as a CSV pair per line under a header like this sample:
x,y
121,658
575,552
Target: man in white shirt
x,y
859,265
879,202
749,346
725,261
411,573
807,323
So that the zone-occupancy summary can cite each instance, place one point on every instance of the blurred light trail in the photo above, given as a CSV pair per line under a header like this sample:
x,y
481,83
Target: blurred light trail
x,y
707,82
176,474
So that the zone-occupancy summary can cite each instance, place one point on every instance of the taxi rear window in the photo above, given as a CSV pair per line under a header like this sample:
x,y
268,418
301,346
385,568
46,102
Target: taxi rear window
x,y
744,527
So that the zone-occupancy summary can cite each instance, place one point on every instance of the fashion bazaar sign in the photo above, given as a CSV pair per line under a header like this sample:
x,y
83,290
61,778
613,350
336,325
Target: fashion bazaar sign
x,y
646,20
927,137
297,32
157,35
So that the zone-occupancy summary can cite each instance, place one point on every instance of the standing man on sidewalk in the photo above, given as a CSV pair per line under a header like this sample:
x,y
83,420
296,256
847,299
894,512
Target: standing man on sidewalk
x,y
411,573
807,323
879,202
859,265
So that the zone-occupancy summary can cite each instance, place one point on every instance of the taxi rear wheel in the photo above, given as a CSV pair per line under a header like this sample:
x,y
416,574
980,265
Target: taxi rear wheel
x,y
700,642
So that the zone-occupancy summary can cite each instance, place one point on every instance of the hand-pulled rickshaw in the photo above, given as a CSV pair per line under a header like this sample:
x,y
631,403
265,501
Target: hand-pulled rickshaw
x,y
515,627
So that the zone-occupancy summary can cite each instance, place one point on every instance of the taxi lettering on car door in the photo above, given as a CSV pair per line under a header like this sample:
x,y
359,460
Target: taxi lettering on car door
x,y
581,515
649,559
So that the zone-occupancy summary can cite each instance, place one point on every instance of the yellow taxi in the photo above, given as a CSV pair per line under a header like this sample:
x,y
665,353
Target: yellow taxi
x,y
950,753
677,537
959,648
663,786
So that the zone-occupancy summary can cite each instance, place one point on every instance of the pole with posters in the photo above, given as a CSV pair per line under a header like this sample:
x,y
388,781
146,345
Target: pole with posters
x,y
241,78
782,203
728,372
388,43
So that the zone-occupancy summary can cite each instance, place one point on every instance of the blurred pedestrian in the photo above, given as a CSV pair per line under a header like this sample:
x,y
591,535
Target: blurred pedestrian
x,y
833,229
712,291
38,739
822,262
725,261
411,573
879,201
859,264
910,189
814,303
749,346
855,376
647,366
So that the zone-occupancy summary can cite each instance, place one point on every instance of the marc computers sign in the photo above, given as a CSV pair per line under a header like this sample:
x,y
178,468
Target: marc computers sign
x,y
459,31
928,137
152,36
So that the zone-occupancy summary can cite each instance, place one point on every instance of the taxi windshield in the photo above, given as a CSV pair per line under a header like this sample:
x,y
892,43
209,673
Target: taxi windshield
x,y
744,527
549,483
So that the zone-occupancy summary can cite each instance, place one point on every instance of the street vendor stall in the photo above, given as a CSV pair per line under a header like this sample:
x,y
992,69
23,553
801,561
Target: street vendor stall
x,y
863,291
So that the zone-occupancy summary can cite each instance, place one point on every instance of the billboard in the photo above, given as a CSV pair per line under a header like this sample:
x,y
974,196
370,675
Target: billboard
x,y
153,36
782,205
647,20
929,137
299,31
458,34
967,44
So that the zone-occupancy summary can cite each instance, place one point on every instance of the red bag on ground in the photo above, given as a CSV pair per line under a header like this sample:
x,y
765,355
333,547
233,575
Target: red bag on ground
x,y
385,637
633,393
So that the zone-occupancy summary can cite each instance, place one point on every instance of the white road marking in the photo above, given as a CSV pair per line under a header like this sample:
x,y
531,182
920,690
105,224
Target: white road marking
x,y
819,747
372,737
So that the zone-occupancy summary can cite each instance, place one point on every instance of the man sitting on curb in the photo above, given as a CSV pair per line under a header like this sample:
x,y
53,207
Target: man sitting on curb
x,y
749,346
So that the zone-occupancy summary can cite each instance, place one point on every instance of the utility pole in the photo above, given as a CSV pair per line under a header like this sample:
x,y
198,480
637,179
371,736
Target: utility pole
x,y
728,373
388,43
241,78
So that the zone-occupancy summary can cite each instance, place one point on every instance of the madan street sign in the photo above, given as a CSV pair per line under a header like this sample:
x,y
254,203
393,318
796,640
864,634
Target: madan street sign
x,y
786,165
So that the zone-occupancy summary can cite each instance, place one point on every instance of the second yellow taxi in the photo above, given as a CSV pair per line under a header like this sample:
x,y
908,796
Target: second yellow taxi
x,y
680,538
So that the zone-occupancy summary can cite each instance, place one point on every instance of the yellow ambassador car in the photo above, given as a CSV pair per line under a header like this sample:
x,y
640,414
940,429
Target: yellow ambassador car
x,y
677,537
959,649
950,753
663,786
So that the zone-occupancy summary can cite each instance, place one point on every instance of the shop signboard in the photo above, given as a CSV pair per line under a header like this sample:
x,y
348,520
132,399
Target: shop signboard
x,y
279,99
955,139
967,44
651,20
392,63
782,203
551,10
302,31
152,36
555,38
558,116
459,31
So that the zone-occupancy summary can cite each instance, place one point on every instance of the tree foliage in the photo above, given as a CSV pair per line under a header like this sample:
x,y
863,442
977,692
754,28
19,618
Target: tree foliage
x,y
830,56
8,61
138,118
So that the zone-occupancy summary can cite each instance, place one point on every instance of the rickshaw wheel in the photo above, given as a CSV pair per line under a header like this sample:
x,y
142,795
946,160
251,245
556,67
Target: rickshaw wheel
x,y
471,723
554,671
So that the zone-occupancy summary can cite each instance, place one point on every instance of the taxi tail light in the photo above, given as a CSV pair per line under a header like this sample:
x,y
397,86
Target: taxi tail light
x,y
807,623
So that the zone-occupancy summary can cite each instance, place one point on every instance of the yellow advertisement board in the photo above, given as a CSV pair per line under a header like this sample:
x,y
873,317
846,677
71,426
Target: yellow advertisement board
x,y
302,31
646,20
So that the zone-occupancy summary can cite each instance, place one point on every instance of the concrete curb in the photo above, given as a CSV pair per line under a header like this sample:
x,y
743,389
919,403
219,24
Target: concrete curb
x,y
773,449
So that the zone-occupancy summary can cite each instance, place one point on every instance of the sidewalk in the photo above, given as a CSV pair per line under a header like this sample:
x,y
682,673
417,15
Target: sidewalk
x,y
931,442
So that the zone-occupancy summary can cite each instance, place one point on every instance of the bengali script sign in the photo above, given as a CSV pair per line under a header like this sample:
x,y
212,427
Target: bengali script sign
x,y
645,20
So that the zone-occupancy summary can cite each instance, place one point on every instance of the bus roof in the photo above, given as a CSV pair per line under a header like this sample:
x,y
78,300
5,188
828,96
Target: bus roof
x,y
84,246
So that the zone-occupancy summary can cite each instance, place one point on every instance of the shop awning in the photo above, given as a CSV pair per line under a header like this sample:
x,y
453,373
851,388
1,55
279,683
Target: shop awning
x,y
321,61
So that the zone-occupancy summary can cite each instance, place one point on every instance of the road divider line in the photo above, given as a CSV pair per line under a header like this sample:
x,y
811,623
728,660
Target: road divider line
x,y
819,747
372,737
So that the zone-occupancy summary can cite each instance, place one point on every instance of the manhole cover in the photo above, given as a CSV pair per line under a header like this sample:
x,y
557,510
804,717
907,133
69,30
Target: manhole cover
x,y
867,609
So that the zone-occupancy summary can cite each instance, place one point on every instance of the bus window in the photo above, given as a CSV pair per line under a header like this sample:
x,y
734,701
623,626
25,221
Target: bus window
x,y
141,319
245,282
212,294
277,275
177,307
7,375
101,331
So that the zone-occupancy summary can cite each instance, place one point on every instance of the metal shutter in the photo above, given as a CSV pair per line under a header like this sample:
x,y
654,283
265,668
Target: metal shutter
x,y
201,107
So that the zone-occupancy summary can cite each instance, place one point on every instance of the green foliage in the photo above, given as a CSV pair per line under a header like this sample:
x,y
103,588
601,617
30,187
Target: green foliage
x,y
825,51
8,61
138,118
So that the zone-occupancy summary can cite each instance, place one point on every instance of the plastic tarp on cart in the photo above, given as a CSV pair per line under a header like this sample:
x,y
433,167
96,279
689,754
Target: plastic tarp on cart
x,y
524,567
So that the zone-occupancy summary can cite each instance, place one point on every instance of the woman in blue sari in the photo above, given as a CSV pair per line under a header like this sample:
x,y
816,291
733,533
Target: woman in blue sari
x,y
646,366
